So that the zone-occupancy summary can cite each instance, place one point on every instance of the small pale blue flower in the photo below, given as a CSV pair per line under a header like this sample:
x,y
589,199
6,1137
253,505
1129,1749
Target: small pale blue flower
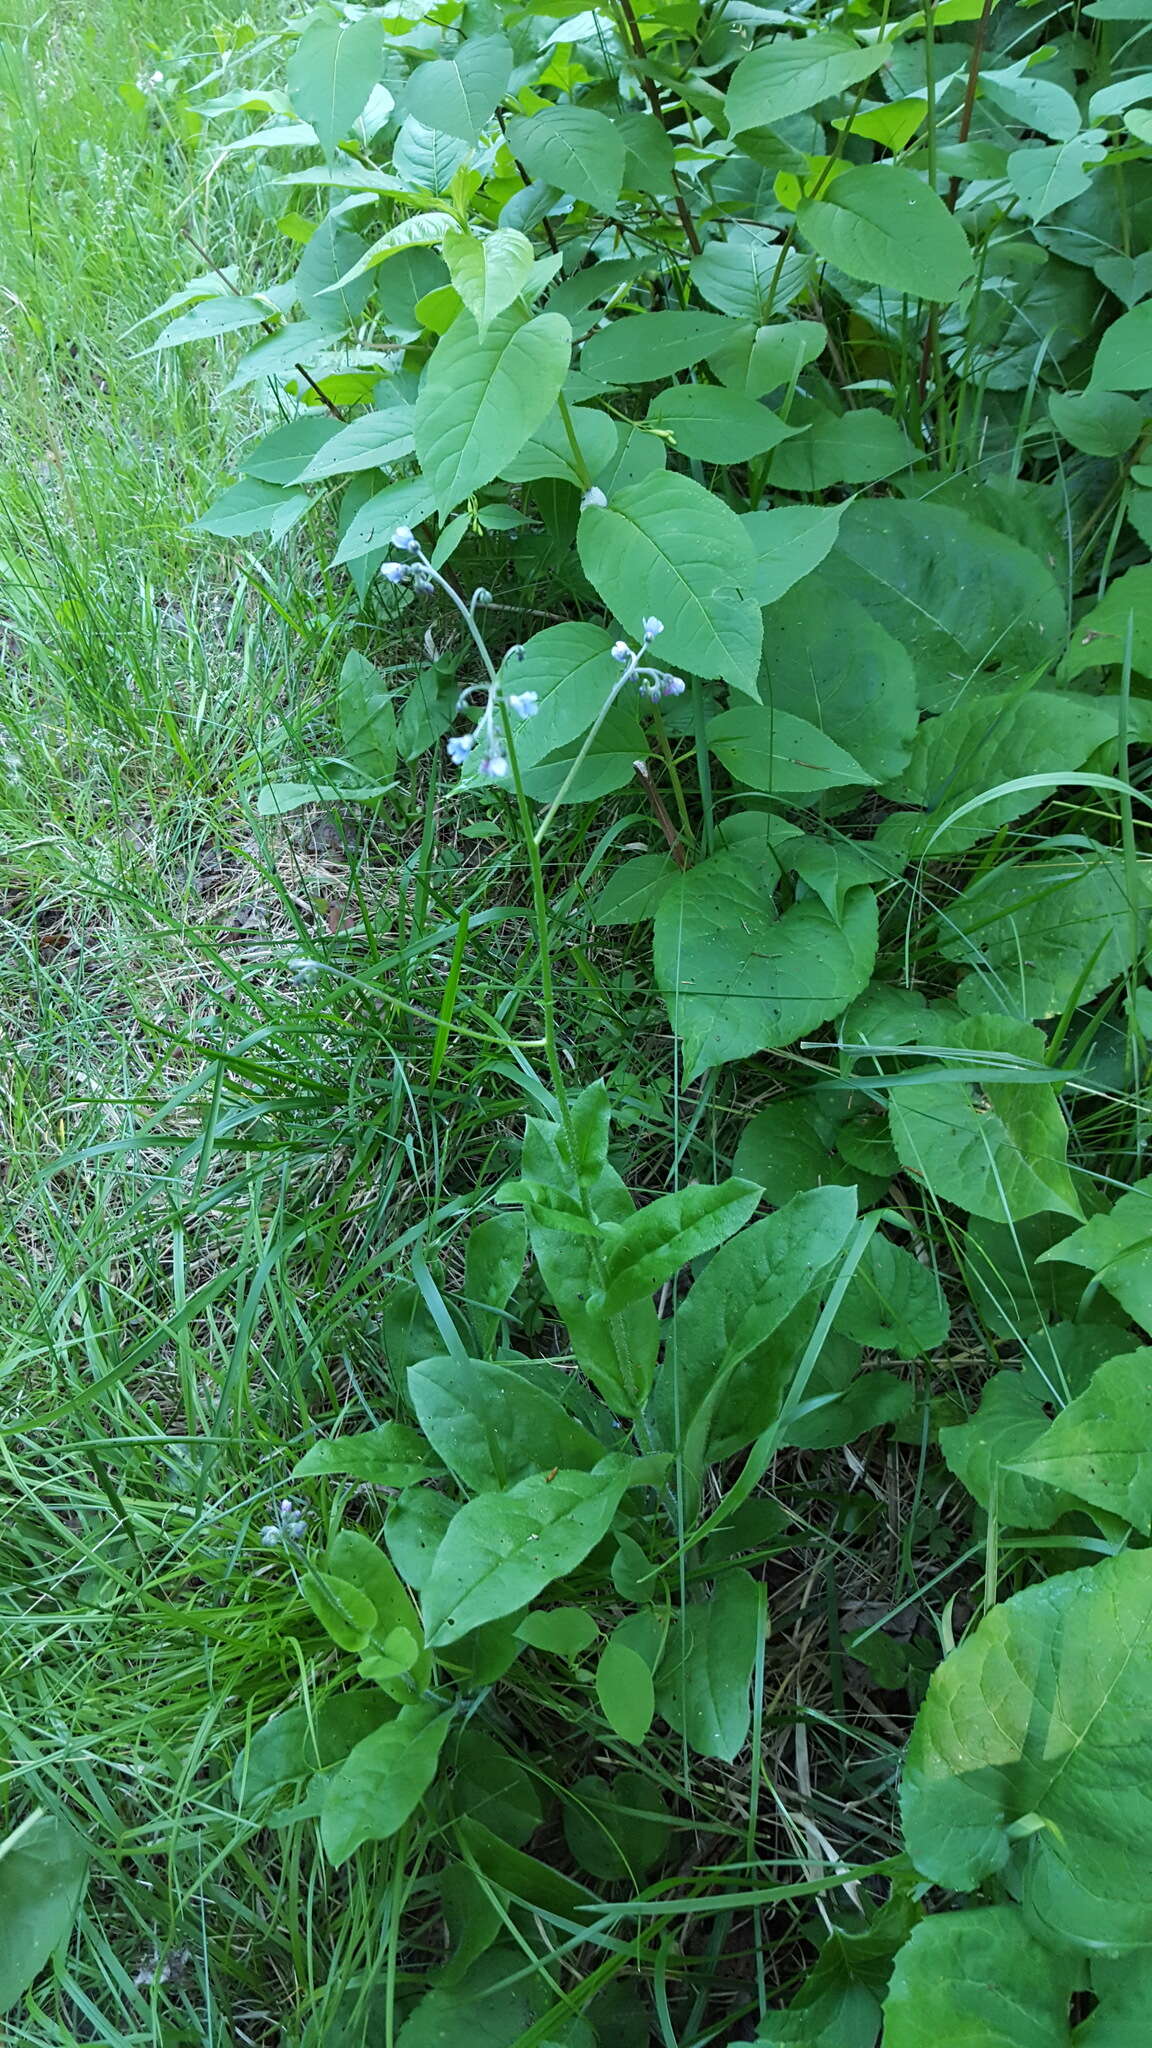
x,y
494,767
458,750
524,704
404,539
652,627
396,572
622,653
593,497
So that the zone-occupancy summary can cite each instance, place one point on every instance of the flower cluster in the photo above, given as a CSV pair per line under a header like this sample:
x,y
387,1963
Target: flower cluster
x,y
652,683
290,1526
482,751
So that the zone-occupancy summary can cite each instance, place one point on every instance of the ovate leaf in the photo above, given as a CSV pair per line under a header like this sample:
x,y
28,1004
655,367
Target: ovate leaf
x,y
1124,356
887,227
702,1688
332,71
492,1426
43,1865
574,148
625,1691
981,1979
382,1781
668,547
1031,1757
738,977
1117,1247
1042,934
1099,1448
459,94
828,661
251,507
502,1549
996,1147
666,1234
774,751
985,1452
480,399
647,348
788,74
489,271
705,421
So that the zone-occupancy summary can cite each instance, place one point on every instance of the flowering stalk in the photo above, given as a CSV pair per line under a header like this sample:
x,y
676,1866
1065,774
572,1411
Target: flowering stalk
x,y
489,751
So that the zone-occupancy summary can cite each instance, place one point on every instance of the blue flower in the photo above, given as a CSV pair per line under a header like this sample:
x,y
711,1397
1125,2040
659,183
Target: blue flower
x,y
524,704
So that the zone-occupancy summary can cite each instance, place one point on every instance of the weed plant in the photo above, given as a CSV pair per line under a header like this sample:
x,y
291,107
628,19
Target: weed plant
x,y
577,1441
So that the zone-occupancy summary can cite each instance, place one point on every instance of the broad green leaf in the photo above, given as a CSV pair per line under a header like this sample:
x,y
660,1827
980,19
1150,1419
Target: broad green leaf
x,y
788,74
340,1607
625,1691
382,1781
1045,179
43,1865
330,253
251,507
374,441
634,890
713,425
353,1560
367,720
990,739
717,1389
305,1739
789,1146
738,977
737,275
783,755
392,1455
850,448
212,317
618,1356
574,148
789,542
648,348
828,661
1116,1248
1035,102
985,1454
887,227
489,271
1039,935
1097,422
893,1303
1124,357
549,452
1122,621
284,456
979,1980
617,1831
959,596
459,94
492,1426
702,1687
426,159
670,548
996,1147
502,1549
756,360
571,671
654,1243
414,1529
1099,1448
418,231
1031,1758
490,1786
331,74
369,532
492,2005
480,400
564,1631
493,1263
